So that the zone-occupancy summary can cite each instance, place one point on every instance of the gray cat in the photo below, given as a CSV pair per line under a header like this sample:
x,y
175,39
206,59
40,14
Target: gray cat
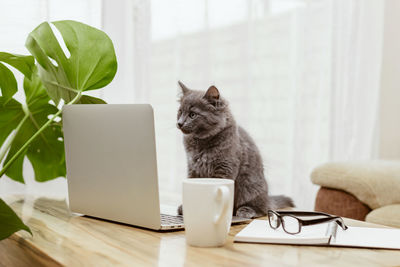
x,y
217,147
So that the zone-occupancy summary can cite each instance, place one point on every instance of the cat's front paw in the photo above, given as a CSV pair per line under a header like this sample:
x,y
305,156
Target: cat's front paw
x,y
179,210
246,212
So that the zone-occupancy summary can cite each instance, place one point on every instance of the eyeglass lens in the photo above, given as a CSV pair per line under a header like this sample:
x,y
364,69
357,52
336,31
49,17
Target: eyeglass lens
x,y
273,220
291,224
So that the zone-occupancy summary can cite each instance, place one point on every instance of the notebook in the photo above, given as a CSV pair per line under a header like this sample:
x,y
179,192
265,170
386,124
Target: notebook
x,y
259,231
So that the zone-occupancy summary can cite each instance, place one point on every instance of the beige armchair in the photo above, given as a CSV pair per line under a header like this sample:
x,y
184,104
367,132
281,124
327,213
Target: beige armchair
x,y
363,190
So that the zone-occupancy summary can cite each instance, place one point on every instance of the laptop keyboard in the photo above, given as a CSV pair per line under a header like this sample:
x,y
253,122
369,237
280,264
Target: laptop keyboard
x,y
176,221
171,219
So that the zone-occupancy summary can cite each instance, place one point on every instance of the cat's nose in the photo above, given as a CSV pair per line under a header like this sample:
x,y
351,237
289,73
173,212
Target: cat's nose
x,y
180,124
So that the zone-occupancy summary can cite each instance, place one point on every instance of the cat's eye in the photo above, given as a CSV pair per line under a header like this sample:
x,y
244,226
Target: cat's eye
x,y
192,115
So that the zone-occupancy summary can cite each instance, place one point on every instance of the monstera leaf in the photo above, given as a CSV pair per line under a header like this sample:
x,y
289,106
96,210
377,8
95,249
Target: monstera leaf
x,y
8,84
46,152
85,99
9,221
10,117
10,109
24,64
31,129
91,64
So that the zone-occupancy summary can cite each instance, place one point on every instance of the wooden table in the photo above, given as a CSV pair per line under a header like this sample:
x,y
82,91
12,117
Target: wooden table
x,y
62,238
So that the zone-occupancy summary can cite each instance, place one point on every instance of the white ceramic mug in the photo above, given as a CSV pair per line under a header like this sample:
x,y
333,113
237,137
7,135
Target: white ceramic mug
x,y
207,210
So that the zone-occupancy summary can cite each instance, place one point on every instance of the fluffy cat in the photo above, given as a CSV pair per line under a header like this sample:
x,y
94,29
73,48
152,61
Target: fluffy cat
x,y
217,147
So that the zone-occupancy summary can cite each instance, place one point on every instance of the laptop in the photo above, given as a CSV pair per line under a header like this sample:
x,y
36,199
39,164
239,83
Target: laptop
x,y
111,164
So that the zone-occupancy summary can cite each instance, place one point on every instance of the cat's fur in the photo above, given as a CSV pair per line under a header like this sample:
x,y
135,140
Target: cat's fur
x,y
217,147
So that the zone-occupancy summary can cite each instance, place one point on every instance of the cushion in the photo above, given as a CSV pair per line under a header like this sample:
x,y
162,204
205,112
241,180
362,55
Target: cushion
x,y
375,183
340,203
387,215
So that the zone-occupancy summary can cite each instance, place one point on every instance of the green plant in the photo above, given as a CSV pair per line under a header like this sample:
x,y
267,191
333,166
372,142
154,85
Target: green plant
x,y
34,129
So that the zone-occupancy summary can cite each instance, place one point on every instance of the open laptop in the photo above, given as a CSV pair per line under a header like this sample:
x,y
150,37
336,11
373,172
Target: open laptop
x,y
112,165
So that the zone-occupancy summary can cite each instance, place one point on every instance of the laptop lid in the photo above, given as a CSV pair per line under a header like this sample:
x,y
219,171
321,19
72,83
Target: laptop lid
x,y
111,162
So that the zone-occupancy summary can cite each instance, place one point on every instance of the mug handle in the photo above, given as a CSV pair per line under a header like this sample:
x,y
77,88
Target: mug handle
x,y
224,191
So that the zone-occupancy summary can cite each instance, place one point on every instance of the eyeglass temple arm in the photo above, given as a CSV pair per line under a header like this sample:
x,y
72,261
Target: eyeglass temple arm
x,y
338,220
330,217
303,213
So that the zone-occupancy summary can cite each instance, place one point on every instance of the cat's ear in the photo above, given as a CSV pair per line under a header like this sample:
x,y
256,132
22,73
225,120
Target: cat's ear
x,y
185,90
212,93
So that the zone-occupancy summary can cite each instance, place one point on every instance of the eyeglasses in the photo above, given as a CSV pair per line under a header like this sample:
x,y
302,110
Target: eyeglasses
x,y
292,224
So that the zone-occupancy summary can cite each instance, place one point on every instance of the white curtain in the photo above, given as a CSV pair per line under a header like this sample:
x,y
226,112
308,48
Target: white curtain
x,y
357,39
301,76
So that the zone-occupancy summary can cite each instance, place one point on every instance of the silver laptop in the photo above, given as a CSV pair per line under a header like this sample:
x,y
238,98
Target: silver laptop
x,y
112,166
